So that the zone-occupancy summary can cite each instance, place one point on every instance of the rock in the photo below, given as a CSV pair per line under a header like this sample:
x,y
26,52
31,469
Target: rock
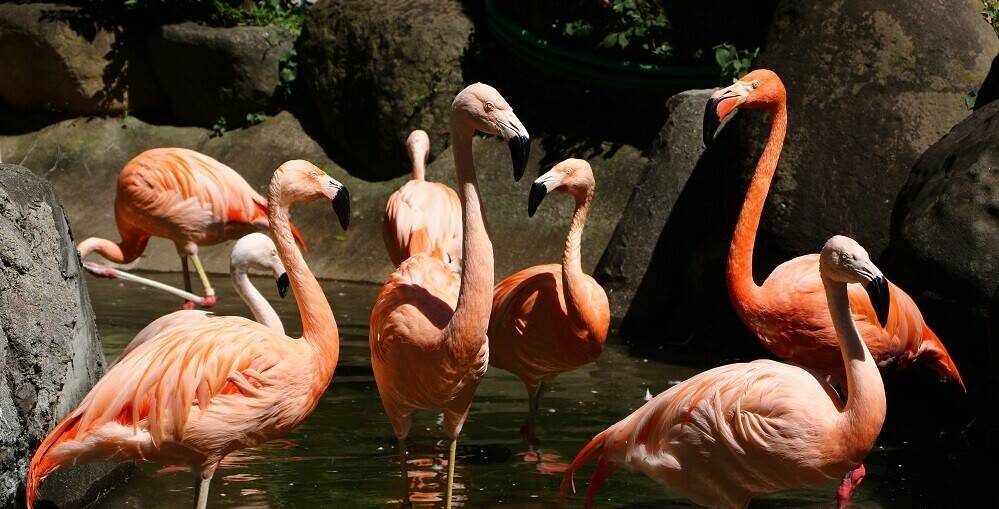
x,y
989,91
208,73
880,82
945,233
50,352
628,265
82,157
376,70
59,58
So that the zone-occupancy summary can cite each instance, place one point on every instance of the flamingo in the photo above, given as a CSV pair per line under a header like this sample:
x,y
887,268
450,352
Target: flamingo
x,y
193,394
550,319
421,216
428,326
254,251
743,430
787,313
186,197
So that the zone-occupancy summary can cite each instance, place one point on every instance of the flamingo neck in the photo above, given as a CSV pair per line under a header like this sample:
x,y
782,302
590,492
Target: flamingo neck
x,y
572,269
419,169
319,327
262,311
741,286
864,411
126,251
466,332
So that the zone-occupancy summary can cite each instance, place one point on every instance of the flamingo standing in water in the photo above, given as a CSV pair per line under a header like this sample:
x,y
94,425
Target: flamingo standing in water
x,y
193,394
550,319
428,326
186,197
254,251
421,216
742,430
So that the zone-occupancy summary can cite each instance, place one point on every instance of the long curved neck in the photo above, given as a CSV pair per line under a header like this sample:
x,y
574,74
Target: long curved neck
x,y
319,328
125,251
466,332
262,311
419,168
741,286
572,269
865,406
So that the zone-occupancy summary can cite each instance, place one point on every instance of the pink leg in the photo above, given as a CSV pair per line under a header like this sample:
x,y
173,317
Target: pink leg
x,y
851,481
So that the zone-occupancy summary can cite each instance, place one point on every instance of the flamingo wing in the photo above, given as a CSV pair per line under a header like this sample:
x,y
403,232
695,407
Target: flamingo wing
x,y
162,324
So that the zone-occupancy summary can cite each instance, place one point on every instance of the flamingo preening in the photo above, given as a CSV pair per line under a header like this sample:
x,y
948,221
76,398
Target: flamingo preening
x,y
186,197
421,216
787,313
254,251
191,395
742,430
428,326
550,319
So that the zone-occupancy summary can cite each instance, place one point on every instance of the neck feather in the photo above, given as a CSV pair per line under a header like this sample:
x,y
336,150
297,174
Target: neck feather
x,y
262,311
572,269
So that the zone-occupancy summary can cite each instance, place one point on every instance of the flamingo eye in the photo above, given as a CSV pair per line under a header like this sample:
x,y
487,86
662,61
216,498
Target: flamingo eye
x,y
489,107
755,84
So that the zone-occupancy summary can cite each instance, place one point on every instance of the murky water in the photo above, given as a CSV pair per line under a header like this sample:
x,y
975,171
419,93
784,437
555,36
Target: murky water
x,y
345,455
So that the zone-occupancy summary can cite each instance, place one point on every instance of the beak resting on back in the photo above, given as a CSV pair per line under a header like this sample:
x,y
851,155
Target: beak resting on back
x,y
538,193
880,297
341,206
282,284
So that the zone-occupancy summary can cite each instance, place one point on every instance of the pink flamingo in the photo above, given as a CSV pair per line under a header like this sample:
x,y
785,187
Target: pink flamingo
x,y
194,394
186,197
550,319
254,251
421,216
743,430
428,326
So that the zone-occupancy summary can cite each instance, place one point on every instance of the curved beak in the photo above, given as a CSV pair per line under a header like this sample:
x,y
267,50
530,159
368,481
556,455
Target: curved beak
x,y
880,297
538,193
282,284
721,104
341,206
515,134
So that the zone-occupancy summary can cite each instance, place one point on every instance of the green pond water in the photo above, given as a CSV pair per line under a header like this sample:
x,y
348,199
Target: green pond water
x,y
345,454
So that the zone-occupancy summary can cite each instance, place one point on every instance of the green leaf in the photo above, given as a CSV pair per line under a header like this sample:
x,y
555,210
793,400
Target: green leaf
x,y
341,237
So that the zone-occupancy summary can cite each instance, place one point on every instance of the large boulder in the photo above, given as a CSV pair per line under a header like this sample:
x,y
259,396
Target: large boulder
x,y
50,352
59,58
945,233
879,83
376,69
629,269
65,153
208,73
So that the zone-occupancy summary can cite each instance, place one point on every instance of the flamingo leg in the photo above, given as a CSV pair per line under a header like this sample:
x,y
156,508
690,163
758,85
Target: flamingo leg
x,y
201,274
201,496
529,430
187,282
450,471
404,470
851,481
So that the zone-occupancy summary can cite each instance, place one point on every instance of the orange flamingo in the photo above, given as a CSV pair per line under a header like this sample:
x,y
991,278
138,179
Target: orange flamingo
x,y
550,319
428,326
788,313
194,394
421,216
256,251
186,197
743,430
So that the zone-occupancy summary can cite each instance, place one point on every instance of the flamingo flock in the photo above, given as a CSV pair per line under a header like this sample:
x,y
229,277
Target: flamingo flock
x,y
194,387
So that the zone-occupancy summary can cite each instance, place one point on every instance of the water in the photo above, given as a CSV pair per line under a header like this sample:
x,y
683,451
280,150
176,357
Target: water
x,y
345,454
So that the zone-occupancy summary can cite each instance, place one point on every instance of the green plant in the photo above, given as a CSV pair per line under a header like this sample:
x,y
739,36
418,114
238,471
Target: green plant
x,y
990,11
734,62
287,72
255,118
219,128
637,25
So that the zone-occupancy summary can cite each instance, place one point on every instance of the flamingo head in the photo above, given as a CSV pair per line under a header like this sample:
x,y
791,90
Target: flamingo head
x,y
572,176
484,109
760,89
845,261
418,146
257,251
301,181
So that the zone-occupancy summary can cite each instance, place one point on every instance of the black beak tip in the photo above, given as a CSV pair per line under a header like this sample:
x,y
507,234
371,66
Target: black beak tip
x,y
538,193
880,296
520,152
282,285
341,207
711,121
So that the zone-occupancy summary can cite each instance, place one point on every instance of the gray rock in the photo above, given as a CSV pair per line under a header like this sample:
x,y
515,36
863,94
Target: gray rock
x,y
208,73
50,352
375,70
57,58
82,157
626,266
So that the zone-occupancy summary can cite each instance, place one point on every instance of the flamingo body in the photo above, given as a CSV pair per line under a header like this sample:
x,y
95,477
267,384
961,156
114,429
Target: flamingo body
x,y
423,217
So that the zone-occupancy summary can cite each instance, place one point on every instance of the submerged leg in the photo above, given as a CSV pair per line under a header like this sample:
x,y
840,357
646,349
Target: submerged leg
x,y
529,429
404,471
201,495
851,481
450,471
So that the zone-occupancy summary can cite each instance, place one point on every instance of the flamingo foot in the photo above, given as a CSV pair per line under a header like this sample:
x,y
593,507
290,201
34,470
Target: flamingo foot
x,y
208,301
100,270
851,481
187,305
